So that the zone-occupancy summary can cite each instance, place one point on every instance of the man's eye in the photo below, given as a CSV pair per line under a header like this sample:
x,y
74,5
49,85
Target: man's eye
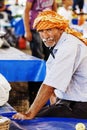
x,y
48,30
40,31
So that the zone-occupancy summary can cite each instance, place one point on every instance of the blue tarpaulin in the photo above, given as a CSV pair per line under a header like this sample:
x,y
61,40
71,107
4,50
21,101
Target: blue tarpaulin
x,y
44,123
47,124
18,25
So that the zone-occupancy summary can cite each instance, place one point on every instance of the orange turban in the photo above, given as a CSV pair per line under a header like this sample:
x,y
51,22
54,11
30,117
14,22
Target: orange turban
x,y
50,19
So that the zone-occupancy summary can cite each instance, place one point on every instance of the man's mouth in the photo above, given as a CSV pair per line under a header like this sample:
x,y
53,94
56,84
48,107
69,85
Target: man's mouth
x,y
48,40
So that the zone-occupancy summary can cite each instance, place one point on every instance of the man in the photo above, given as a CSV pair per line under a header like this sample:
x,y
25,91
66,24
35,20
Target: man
x,y
66,74
80,4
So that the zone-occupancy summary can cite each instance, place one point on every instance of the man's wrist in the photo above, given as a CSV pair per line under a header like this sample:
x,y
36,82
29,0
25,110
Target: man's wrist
x,y
29,114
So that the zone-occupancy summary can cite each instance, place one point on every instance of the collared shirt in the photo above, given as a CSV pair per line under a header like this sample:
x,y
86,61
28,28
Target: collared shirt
x,y
67,72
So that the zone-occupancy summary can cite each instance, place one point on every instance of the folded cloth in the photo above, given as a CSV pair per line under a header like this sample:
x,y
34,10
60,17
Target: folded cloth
x,y
4,90
4,43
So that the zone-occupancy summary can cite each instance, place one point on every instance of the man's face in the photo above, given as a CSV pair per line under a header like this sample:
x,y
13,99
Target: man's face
x,y
50,37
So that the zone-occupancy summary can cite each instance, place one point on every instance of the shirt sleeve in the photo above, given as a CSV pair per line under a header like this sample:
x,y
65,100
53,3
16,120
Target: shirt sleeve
x,y
61,71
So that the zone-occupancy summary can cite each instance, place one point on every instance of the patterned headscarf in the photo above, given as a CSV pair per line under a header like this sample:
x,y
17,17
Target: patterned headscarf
x,y
50,19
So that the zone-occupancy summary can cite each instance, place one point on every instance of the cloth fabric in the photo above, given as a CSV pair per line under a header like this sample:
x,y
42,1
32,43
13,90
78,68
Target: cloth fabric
x,y
4,90
70,63
4,43
65,108
36,45
50,19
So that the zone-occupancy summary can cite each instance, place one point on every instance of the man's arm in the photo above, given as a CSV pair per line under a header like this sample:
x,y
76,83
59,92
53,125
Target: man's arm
x,y
26,20
54,7
42,97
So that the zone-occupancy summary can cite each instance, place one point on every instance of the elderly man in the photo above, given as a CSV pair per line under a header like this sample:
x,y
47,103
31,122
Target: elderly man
x,y
66,74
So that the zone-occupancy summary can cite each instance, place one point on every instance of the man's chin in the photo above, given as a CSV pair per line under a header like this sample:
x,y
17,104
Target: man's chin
x,y
49,45
46,44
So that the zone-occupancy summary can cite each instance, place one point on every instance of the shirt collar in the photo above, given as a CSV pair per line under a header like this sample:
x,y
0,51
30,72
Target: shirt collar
x,y
59,43
61,40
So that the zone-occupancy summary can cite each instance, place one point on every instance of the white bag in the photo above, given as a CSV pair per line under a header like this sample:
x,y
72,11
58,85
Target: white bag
x,y
4,90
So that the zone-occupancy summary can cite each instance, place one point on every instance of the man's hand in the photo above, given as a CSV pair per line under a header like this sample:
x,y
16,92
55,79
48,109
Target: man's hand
x,y
21,116
42,97
28,36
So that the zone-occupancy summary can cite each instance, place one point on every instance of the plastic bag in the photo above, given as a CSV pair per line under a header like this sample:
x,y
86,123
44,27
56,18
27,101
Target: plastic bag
x,y
4,90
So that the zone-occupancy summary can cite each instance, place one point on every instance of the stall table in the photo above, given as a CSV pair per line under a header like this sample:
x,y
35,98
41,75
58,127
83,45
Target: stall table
x,y
17,66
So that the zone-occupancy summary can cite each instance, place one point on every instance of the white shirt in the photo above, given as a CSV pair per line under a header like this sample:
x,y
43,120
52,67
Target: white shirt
x,y
67,73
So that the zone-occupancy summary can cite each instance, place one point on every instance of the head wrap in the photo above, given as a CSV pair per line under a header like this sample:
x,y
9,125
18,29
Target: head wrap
x,y
50,19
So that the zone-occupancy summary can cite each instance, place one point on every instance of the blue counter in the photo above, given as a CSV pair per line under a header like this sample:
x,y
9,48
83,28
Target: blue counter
x,y
17,66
